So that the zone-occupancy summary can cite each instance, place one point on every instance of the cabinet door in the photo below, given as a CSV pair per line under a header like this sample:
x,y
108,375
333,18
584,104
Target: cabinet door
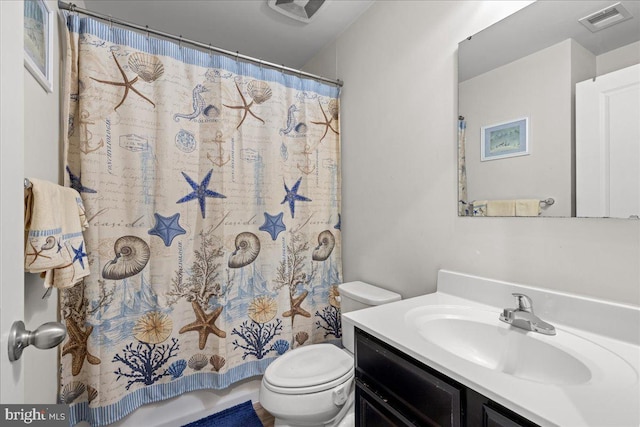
x,y
414,390
371,411
493,418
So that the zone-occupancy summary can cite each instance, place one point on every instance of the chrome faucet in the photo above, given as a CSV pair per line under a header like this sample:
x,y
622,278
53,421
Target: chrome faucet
x,y
523,317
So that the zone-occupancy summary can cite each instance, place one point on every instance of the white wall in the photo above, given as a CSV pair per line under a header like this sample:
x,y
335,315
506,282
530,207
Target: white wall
x,y
622,57
399,112
42,152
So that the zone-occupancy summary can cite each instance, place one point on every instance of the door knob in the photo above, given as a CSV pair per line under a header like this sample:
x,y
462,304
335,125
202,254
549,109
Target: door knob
x,y
48,335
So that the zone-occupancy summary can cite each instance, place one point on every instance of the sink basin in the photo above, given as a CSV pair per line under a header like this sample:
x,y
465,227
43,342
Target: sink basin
x,y
477,336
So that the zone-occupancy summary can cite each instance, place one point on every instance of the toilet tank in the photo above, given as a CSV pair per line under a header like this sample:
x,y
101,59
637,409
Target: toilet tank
x,y
356,296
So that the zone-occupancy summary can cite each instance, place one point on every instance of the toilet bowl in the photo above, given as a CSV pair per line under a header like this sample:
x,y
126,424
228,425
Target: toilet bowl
x,y
313,385
308,386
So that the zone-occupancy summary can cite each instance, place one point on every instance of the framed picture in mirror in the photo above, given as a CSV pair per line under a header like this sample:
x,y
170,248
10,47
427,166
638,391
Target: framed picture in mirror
x,y
506,139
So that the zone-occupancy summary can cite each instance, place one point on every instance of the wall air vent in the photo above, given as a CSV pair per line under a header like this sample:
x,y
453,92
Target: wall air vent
x,y
606,17
300,10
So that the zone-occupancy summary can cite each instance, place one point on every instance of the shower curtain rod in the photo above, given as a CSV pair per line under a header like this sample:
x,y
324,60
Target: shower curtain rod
x,y
73,8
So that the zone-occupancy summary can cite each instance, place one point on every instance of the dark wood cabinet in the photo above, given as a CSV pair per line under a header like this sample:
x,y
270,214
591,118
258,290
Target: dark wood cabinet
x,y
393,389
493,418
374,412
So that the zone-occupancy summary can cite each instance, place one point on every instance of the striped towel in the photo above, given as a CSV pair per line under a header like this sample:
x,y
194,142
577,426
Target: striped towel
x,y
54,219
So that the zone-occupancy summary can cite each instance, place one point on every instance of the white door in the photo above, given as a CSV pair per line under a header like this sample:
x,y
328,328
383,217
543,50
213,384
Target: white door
x,y
11,192
608,145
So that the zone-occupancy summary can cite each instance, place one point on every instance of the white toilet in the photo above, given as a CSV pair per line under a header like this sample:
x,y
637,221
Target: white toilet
x,y
313,385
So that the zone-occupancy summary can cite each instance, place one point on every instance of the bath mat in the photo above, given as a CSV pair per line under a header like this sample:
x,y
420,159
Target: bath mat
x,y
242,415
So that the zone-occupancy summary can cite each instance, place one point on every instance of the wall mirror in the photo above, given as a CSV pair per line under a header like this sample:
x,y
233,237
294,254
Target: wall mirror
x,y
549,105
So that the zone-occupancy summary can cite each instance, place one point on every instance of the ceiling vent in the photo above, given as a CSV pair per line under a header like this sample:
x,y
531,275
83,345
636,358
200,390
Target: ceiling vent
x,y
300,10
606,17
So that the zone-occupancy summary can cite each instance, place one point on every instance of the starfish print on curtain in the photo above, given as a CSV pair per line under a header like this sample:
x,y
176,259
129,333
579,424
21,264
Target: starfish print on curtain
x,y
76,183
292,196
295,307
126,83
167,228
204,324
327,121
77,346
273,225
200,192
259,92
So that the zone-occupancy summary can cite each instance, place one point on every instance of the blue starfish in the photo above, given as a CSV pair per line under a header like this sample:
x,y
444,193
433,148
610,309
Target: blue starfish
x,y
200,191
167,228
273,225
339,224
293,196
79,254
76,184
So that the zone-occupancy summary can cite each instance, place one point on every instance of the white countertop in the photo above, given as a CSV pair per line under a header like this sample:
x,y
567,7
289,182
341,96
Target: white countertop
x,y
594,403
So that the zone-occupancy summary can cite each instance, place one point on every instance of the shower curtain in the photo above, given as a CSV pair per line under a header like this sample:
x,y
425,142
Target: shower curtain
x,y
212,189
463,203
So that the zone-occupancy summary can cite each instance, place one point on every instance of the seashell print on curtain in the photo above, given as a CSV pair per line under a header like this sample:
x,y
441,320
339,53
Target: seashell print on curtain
x,y
212,189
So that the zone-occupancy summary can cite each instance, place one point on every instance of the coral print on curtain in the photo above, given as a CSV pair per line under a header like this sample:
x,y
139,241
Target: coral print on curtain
x,y
212,189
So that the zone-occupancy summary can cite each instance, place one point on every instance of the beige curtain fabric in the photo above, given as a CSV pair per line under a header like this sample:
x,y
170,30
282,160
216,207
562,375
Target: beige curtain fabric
x,y
463,203
212,191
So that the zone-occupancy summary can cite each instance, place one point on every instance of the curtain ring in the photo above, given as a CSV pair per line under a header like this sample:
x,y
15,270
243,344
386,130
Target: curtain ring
x,y
147,27
180,42
110,22
210,50
237,54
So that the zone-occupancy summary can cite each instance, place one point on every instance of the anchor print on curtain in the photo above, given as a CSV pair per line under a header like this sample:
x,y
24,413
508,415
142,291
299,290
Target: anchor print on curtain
x,y
212,189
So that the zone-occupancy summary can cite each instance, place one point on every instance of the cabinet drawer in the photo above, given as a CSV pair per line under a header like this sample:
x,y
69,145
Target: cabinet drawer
x,y
415,390
492,418
373,412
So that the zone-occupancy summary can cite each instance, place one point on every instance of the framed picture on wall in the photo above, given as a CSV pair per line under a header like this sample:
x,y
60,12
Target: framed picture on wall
x,y
506,139
38,39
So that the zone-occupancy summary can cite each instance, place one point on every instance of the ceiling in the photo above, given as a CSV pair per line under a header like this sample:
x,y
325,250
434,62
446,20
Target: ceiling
x,y
250,27
540,25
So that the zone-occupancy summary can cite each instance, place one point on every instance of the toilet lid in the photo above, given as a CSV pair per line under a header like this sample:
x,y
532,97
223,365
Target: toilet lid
x,y
309,366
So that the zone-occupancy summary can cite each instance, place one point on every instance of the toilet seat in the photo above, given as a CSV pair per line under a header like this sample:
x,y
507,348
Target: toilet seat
x,y
310,389
309,369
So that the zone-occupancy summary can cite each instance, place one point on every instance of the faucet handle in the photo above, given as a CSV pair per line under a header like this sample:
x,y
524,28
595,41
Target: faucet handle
x,y
523,302
507,315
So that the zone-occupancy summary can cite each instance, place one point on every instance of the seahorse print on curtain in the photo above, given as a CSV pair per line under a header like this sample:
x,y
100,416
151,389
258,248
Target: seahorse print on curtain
x,y
212,189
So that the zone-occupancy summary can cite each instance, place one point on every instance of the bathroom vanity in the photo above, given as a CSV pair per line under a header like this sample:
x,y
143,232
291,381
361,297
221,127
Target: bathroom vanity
x,y
446,359
393,389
